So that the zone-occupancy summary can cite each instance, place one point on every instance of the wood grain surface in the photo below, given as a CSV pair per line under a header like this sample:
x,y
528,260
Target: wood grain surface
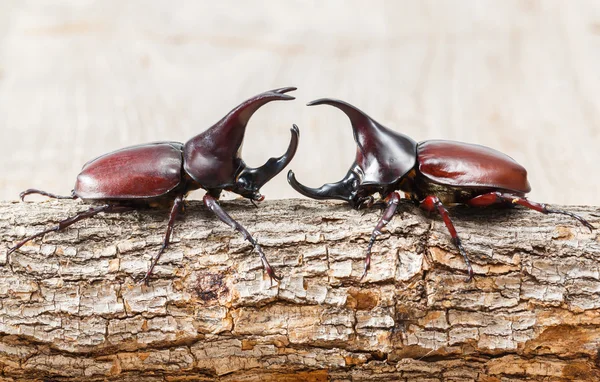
x,y
81,78
71,309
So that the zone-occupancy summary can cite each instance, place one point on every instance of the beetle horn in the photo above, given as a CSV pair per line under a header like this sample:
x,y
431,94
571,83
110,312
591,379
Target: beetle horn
x,y
345,189
212,158
233,126
255,178
383,155
362,124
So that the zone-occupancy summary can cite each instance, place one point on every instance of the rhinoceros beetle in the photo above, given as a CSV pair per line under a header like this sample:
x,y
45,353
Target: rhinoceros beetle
x,y
161,174
432,174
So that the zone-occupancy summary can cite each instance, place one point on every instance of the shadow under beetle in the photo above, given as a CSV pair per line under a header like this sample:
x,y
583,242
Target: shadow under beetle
x,y
433,174
161,174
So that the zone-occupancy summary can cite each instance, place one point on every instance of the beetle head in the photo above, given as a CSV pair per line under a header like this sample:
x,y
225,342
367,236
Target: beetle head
x,y
383,157
212,158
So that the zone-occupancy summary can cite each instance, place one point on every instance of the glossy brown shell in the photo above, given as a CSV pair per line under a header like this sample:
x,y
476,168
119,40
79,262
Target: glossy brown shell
x,y
135,172
467,165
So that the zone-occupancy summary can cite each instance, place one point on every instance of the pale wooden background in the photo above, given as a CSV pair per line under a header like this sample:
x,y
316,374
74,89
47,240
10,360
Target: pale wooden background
x,y
81,78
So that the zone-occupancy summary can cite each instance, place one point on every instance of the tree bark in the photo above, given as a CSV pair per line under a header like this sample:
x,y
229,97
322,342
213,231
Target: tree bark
x,y
72,309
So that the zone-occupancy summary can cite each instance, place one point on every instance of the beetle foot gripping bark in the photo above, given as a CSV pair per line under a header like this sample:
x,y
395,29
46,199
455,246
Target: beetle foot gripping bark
x,y
511,198
433,203
575,216
213,205
71,220
175,210
392,201
30,191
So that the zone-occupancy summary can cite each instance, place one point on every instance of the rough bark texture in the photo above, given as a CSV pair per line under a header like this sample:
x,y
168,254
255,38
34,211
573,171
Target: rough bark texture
x,y
72,310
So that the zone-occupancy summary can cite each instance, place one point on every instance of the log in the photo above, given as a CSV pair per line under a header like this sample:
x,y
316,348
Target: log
x,y
72,309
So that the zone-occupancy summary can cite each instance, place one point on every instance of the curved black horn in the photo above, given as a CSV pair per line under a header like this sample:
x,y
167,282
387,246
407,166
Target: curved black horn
x,y
212,158
238,118
350,110
362,124
343,190
258,177
383,155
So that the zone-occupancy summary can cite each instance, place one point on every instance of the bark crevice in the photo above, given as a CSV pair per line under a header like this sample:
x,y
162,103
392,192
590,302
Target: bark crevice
x,y
71,307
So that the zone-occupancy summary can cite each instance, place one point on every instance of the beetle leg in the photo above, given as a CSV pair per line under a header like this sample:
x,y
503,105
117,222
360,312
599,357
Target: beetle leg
x,y
392,201
211,203
177,206
69,221
501,197
366,202
54,196
432,203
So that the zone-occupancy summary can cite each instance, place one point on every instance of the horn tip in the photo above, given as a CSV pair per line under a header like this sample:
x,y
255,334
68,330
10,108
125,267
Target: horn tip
x,y
291,178
321,101
295,130
315,102
284,90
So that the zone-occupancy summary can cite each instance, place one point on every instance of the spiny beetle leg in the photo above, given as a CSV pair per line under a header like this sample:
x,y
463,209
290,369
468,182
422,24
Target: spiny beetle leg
x,y
72,220
266,266
212,204
177,207
502,197
30,191
392,201
432,203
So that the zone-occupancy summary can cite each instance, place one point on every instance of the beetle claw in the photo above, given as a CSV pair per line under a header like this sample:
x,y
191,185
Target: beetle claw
x,y
470,272
462,251
265,263
367,267
269,270
145,281
587,224
366,202
272,275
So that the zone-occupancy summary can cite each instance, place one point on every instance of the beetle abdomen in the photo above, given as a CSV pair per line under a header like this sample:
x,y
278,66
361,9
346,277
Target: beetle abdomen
x,y
467,165
143,171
